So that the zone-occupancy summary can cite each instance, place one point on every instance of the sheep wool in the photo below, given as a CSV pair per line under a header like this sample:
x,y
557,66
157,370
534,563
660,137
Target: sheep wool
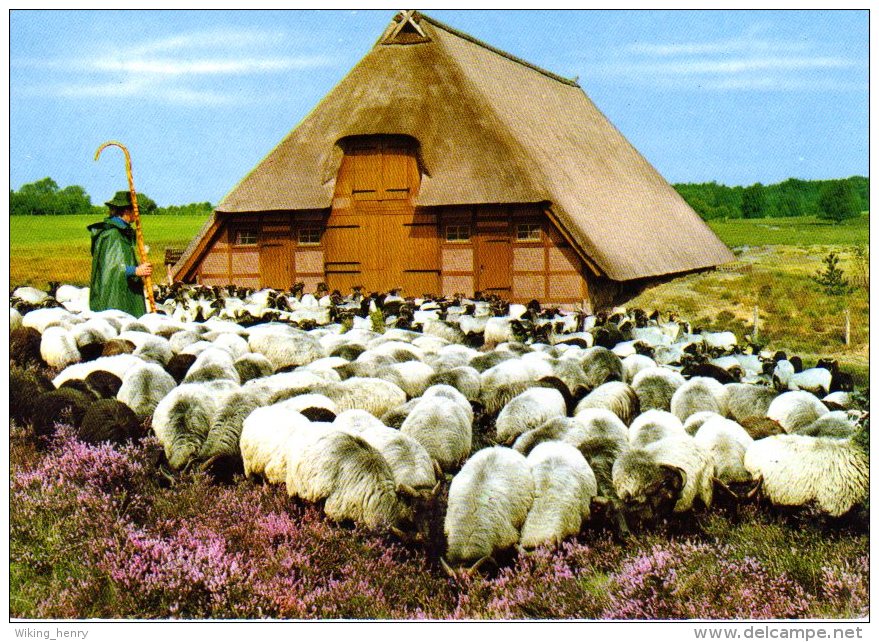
x,y
795,410
798,470
528,410
616,396
463,378
699,394
601,365
143,387
727,442
656,386
640,471
489,500
745,400
442,428
58,349
182,420
408,459
654,425
284,346
354,480
264,436
635,363
224,435
564,486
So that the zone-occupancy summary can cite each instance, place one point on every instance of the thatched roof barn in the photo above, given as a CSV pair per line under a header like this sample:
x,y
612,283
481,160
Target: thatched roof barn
x,y
440,164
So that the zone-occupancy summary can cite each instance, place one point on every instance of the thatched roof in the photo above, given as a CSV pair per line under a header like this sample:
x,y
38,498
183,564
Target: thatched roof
x,y
492,129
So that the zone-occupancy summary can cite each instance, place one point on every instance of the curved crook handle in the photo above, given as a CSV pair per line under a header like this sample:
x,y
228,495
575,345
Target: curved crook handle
x,y
141,250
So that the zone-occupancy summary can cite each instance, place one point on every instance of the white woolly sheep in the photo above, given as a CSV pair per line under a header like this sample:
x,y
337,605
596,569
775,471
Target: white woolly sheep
x,y
635,363
118,365
727,442
443,428
694,422
564,486
488,502
223,440
836,423
183,418
555,429
600,366
795,410
283,345
353,478
376,396
697,395
463,378
43,318
671,472
143,387
745,400
797,470
57,348
413,377
654,425
616,396
410,462
656,386
452,394
14,319
500,383
528,410
263,443
211,365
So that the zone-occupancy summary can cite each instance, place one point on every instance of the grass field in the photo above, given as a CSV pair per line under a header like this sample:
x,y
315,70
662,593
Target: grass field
x,y
777,257
56,248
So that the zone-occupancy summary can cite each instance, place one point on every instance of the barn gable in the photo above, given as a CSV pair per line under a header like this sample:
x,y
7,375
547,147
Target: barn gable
x,y
488,129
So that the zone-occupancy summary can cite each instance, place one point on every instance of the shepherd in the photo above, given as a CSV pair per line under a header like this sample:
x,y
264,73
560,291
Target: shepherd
x,y
116,275
119,280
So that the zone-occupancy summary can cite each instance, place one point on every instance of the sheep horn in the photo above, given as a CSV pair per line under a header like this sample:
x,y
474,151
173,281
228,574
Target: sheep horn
x,y
435,491
208,463
403,536
164,473
473,569
448,569
726,489
438,470
753,492
406,489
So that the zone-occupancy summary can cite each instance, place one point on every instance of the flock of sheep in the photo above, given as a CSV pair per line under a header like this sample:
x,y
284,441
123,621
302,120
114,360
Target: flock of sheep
x,y
370,404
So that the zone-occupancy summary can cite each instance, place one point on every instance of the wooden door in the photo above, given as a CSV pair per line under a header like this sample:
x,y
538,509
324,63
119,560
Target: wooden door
x,y
342,253
494,259
276,262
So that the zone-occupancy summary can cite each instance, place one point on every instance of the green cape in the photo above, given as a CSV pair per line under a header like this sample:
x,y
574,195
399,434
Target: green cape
x,y
112,251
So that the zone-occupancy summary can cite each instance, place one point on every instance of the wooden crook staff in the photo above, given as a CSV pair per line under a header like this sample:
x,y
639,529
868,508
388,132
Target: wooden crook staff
x,y
138,232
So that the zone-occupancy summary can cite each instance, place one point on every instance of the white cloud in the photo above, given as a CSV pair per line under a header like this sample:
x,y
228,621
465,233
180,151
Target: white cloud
x,y
178,68
751,61
215,66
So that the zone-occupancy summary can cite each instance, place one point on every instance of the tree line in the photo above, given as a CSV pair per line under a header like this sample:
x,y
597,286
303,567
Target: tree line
x,y
835,200
45,198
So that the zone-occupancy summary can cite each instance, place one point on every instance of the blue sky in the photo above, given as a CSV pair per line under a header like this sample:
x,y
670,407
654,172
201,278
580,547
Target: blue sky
x,y
199,97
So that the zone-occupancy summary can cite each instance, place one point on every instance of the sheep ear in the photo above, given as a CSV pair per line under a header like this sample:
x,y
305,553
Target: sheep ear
x,y
675,476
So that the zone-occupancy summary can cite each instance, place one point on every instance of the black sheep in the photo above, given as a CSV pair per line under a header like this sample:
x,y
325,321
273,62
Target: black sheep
x,y
109,420
65,405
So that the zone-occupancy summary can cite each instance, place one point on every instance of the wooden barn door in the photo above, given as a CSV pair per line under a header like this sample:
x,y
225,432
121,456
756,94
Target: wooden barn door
x,y
494,261
373,237
276,261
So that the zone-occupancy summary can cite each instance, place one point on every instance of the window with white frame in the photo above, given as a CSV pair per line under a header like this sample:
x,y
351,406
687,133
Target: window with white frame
x,y
528,232
245,237
309,236
458,233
